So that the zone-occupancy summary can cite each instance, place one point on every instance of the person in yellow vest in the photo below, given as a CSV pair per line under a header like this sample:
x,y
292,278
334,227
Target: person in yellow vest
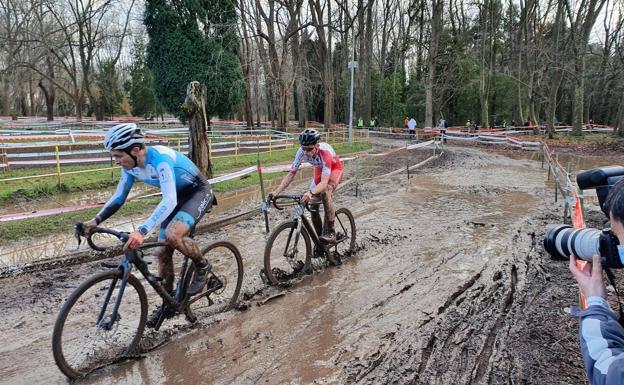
x,y
469,125
360,123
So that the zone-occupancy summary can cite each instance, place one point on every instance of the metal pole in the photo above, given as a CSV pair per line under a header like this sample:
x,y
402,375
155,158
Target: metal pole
x,y
357,161
407,160
352,66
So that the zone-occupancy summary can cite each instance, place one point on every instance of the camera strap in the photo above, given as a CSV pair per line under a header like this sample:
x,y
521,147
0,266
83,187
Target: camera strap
x,y
617,295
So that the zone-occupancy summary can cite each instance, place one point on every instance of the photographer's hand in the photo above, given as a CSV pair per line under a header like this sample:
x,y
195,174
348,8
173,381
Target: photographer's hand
x,y
589,278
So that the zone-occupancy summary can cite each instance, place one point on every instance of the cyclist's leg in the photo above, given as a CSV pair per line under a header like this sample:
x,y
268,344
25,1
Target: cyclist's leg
x,y
315,213
178,230
328,197
164,257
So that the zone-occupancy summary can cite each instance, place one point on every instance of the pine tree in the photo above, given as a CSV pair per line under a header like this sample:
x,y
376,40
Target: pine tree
x,y
140,87
194,40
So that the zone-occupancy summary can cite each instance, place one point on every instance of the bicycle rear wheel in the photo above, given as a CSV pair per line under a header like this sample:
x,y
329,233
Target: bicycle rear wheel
x,y
227,266
79,345
345,232
284,257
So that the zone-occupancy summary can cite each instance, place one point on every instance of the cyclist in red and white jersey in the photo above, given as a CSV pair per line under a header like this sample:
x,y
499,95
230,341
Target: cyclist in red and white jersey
x,y
327,175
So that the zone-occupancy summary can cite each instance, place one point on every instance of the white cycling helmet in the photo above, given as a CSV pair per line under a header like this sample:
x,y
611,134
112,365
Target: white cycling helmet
x,y
123,137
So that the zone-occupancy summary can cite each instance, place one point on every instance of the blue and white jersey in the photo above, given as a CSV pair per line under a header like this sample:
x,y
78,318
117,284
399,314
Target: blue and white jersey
x,y
165,168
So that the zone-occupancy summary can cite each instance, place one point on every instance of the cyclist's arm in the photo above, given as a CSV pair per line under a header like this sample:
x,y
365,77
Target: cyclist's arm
x,y
602,343
285,183
291,175
319,188
169,198
118,198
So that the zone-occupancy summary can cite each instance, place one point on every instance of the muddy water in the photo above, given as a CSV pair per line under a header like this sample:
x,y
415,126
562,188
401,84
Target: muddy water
x,y
443,257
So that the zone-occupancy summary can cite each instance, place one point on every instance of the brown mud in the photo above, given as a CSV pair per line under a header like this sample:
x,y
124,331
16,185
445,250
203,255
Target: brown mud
x,y
450,285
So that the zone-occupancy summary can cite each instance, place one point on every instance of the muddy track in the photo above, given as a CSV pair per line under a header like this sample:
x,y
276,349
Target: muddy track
x,y
449,285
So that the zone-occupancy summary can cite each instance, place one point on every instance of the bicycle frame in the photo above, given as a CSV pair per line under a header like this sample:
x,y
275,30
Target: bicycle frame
x,y
132,259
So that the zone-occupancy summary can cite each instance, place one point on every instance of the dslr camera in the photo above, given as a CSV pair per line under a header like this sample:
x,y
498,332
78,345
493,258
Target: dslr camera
x,y
562,240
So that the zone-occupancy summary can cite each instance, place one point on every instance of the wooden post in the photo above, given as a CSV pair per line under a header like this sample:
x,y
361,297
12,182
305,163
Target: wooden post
x,y
270,147
210,147
179,146
58,166
548,172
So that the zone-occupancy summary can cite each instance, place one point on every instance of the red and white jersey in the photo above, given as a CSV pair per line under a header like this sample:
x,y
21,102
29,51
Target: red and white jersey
x,y
325,160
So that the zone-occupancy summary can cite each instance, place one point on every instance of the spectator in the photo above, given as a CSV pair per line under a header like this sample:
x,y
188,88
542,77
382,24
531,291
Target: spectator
x,y
442,125
475,127
405,121
360,123
371,123
411,126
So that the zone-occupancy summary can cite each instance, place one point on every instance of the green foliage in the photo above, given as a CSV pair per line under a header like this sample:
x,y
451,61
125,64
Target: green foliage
x,y
415,99
389,98
194,41
140,87
110,95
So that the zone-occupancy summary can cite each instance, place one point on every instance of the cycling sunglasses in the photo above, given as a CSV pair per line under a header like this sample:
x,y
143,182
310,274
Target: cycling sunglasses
x,y
307,149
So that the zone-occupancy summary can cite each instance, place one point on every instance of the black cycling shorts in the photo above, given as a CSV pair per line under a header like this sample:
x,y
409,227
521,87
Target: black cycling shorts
x,y
191,207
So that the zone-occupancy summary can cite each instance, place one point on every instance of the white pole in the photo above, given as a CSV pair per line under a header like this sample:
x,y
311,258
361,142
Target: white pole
x,y
352,67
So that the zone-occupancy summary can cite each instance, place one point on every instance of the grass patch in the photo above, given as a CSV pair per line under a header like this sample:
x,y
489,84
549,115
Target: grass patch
x,y
63,223
96,180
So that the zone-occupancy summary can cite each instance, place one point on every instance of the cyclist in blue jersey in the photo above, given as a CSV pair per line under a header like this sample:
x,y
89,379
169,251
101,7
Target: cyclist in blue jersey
x,y
186,197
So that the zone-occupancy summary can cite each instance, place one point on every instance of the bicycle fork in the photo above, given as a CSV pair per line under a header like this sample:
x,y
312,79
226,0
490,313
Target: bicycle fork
x,y
102,321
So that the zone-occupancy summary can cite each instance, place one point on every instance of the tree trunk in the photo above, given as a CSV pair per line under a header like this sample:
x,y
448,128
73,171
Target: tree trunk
x,y
437,7
49,96
194,107
6,96
619,127
579,96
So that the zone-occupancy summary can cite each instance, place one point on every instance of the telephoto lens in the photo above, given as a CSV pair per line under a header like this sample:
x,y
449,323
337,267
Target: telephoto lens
x,y
562,240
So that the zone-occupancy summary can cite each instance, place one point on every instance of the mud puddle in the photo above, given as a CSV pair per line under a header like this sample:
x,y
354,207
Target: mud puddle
x,y
441,291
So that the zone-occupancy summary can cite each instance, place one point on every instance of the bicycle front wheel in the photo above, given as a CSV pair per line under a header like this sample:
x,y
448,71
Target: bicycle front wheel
x,y
285,256
80,343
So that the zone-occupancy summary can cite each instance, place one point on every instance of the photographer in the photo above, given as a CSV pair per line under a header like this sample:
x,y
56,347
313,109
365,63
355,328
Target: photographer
x,y
601,335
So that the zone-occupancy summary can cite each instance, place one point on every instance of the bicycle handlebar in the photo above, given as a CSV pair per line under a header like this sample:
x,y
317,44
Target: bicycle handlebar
x,y
294,198
121,235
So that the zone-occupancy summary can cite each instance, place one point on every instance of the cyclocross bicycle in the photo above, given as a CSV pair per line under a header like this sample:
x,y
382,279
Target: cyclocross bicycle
x,y
103,320
289,251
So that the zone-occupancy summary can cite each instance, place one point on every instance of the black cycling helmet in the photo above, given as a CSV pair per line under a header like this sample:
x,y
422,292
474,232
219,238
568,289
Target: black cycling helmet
x,y
309,137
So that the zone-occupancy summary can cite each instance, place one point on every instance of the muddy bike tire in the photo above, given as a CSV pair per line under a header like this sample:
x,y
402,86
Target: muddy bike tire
x,y
227,265
59,351
273,259
345,224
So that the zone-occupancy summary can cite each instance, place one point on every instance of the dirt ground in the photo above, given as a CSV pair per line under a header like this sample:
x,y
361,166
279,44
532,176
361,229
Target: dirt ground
x,y
450,284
